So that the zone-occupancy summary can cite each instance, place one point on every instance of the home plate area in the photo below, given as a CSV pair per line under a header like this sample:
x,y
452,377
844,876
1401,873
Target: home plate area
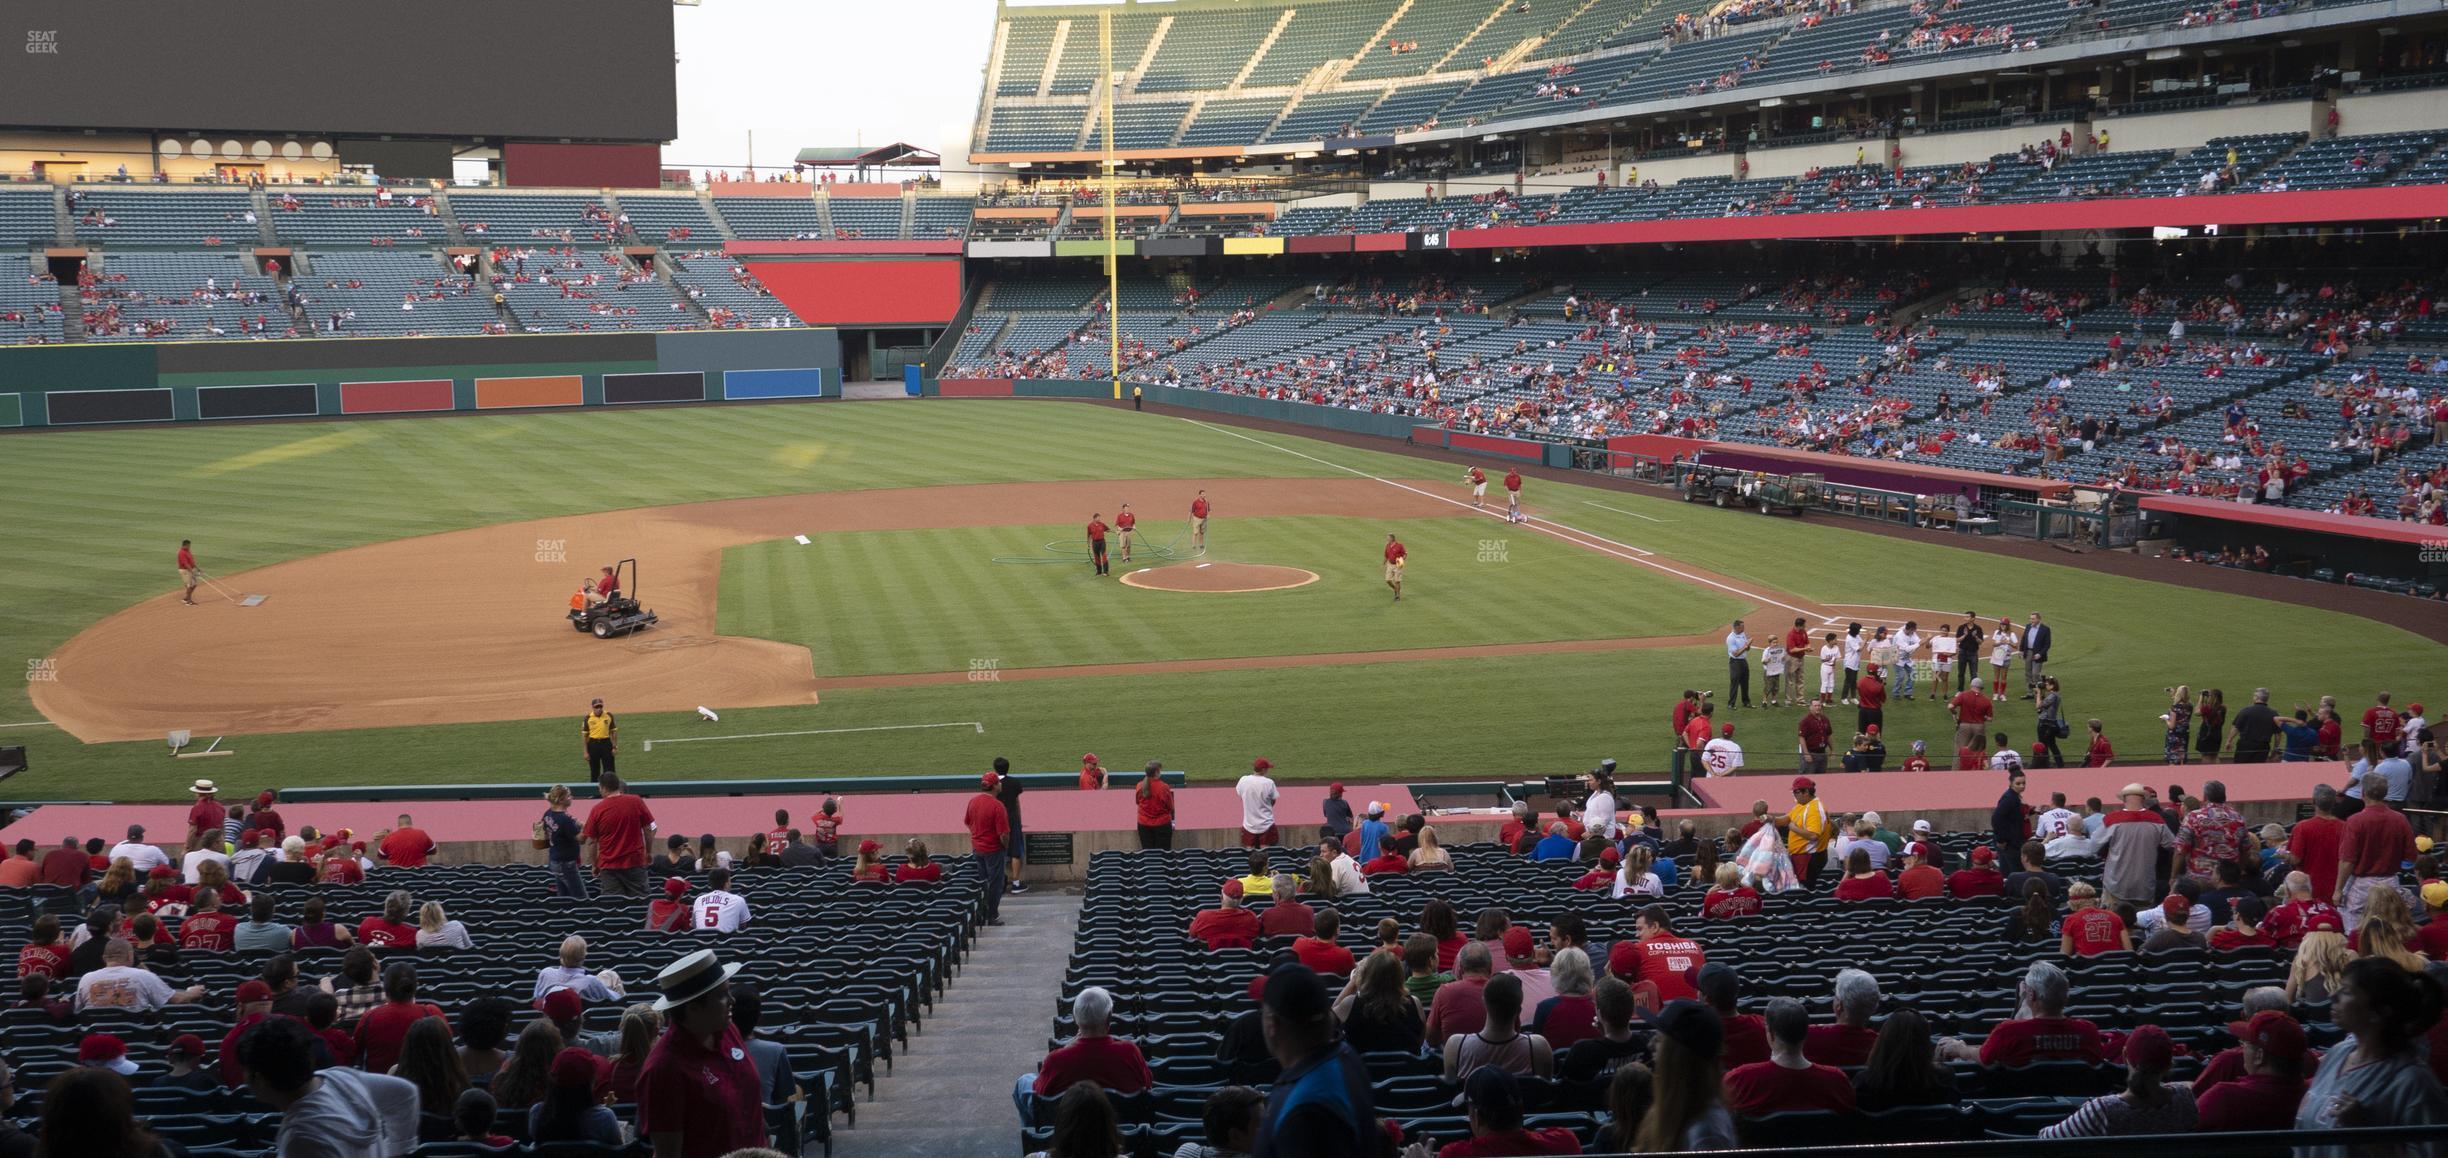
x,y
1219,577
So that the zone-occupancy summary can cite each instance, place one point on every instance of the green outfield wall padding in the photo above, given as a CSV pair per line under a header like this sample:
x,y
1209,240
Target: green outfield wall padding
x,y
42,369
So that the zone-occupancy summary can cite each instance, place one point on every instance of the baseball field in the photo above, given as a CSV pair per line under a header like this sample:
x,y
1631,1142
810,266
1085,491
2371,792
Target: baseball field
x,y
942,611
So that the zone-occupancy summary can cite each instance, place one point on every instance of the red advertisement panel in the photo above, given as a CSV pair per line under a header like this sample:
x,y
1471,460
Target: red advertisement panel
x,y
395,397
865,293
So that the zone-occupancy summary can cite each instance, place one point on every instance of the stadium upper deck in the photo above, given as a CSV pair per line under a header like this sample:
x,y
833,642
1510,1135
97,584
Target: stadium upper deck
x,y
1206,78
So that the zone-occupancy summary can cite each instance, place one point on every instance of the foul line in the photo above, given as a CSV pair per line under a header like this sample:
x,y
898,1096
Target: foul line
x,y
35,724
1627,551
1620,510
981,729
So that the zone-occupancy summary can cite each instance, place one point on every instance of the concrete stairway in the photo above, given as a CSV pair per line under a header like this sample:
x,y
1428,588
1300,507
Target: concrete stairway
x,y
950,1089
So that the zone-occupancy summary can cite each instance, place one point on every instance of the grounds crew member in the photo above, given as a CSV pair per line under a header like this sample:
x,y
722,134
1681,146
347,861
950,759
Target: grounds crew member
x,y
1126,522
582,598
609,586
188,572
602,734
1096,541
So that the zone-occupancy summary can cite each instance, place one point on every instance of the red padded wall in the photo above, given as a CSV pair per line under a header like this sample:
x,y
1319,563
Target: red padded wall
x,y
865,293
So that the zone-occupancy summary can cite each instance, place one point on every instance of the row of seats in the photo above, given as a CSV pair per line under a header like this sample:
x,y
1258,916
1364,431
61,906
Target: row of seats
x,y
1956,962
354,217
846,972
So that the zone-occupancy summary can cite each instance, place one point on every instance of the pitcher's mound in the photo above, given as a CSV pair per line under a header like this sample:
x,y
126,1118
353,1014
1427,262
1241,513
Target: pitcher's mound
x,y
1219,577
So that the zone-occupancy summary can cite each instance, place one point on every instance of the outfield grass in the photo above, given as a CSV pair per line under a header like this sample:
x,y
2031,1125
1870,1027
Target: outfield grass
x,y
98,513
915,601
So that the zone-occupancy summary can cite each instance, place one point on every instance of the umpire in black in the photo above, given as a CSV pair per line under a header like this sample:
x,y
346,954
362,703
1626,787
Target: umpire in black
x,y
602,734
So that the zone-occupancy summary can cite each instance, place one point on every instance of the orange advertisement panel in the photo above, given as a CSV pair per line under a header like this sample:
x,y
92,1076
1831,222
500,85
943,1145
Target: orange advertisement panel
x,y
544,390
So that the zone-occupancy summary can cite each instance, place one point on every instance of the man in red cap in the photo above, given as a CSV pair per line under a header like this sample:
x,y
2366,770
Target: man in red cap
x,y
1227,926
2274,1050
265,816
254,1003
105,1051
1338,811
1921,877
1092,773
989,826
1981,879
1257,792
187,1072
1602,876
670,913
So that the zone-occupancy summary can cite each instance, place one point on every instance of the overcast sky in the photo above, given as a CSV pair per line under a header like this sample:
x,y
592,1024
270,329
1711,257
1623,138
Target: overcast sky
x,y
826,72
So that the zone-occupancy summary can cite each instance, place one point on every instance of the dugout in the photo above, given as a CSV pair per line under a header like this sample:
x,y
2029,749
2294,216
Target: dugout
x,y
2411,558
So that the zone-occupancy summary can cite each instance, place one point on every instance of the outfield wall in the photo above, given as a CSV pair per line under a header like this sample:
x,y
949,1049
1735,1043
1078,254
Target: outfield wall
x,y
120,383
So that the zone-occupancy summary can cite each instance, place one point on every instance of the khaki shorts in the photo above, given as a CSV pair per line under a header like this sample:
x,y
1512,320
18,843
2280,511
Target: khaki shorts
x,y
1479,491
1394,572
186,577
1198,526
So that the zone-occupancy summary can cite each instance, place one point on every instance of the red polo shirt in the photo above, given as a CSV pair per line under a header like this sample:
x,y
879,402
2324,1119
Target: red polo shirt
x,y
1766,1087
65,867
1288,918
1504,1143
1972,707
2378,841
711,1098
1814,730
207,815
1225,927
1839,1045
384,1027
1746,1039
618,828
1111,1062
1156,804
989,823
2316,842
408,847
1325,958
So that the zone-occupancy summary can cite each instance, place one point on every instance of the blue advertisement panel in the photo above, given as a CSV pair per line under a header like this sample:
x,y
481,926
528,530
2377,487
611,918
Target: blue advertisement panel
x,y
807,383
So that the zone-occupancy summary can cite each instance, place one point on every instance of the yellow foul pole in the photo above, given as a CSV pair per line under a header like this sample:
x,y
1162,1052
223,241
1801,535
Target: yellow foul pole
x,y
1113,267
